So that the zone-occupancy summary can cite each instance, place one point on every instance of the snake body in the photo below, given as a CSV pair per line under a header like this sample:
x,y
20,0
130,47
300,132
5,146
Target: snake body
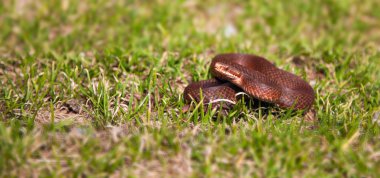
x,y
255,76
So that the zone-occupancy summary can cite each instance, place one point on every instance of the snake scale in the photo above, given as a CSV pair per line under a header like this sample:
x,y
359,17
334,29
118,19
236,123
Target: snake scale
x,y
254,75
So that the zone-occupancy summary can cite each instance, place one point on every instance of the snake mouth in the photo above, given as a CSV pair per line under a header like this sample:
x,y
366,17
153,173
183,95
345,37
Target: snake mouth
x,y
229,72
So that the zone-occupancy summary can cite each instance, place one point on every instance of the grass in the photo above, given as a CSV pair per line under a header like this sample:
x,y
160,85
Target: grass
x,y
94,88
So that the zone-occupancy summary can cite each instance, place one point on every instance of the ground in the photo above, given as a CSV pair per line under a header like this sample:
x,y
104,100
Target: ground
x,y
94,88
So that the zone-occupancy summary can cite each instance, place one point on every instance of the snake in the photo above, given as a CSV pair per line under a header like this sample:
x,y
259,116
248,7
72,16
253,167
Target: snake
x,y
234,73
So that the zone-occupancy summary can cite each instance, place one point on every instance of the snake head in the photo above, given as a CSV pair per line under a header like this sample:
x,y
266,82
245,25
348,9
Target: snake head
x,y
227,72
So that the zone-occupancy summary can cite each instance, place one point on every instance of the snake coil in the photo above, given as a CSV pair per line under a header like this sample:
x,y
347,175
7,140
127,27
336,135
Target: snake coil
x,y
257,77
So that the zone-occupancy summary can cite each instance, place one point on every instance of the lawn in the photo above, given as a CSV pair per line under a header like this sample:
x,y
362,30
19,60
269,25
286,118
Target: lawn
x,y
95,88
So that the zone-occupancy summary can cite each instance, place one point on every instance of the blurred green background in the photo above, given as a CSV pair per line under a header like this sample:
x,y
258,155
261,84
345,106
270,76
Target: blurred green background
x,y
94,88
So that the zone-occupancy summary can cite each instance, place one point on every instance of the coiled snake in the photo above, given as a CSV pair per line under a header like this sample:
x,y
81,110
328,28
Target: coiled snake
x,y
255,76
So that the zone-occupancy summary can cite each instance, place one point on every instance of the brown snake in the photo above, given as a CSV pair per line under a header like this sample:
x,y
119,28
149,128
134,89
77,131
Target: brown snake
x,y
255,76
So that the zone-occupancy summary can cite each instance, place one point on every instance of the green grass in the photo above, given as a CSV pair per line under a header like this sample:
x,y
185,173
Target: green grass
x,y
94,88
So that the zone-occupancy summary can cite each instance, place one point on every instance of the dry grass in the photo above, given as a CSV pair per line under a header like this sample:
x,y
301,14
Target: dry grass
x,y
95,89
